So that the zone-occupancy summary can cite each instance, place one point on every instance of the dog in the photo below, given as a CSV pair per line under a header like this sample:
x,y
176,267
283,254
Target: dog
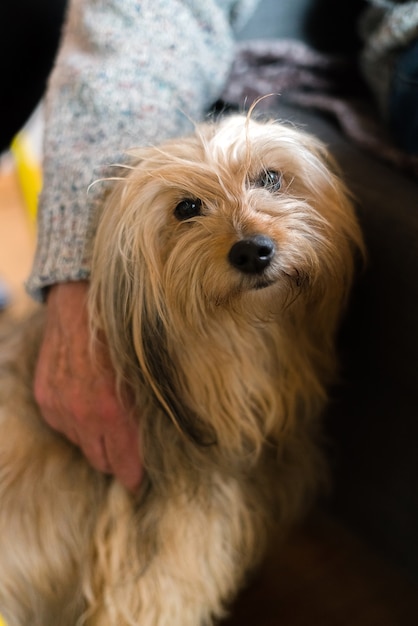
x,y
222,266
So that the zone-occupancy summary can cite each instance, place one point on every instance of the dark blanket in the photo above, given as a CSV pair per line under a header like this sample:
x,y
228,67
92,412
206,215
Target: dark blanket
x,y
289,71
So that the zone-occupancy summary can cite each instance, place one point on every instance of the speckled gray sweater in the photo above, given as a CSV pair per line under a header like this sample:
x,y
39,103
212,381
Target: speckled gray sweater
x,y
128,73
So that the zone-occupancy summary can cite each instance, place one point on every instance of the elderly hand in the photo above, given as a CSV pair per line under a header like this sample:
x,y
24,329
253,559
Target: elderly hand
x,y
76,393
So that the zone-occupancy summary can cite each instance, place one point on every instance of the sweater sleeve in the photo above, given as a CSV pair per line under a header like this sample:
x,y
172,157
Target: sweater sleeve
x,y
127,74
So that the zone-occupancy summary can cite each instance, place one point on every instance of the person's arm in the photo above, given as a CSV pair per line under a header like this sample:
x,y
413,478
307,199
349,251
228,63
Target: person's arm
x,y
128,73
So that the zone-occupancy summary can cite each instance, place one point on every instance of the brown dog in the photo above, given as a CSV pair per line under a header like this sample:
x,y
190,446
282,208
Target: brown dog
x,y
222,263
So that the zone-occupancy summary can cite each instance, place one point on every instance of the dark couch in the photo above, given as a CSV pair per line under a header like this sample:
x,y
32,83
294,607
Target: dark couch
x,y
373,416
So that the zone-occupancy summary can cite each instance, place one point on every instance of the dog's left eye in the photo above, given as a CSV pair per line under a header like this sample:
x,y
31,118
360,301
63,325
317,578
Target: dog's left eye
x,y
270,180
189,207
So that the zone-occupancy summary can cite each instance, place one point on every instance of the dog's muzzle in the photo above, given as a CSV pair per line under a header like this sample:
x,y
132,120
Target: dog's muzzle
x,y
252,255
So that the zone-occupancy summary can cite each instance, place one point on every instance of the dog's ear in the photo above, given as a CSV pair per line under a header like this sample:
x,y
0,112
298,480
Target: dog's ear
x,y
127,307
165,381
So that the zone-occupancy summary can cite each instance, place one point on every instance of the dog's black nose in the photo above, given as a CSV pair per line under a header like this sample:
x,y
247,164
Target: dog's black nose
x,y
252,255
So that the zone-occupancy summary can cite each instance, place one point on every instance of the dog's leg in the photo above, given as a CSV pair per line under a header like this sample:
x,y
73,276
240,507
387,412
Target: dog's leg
x,y
47,506
48,500
180,561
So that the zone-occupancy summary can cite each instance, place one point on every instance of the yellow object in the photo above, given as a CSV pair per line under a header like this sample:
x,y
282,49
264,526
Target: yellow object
x,y
29,174
2,622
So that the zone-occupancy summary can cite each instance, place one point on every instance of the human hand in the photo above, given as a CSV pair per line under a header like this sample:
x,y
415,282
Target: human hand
x,y
76,393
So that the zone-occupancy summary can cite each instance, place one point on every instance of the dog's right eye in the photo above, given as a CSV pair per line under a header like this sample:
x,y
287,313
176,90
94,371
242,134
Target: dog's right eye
x,y
270,180
189,207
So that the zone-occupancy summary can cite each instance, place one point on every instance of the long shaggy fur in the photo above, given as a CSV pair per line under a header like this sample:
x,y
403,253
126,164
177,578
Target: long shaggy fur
x,y
227,364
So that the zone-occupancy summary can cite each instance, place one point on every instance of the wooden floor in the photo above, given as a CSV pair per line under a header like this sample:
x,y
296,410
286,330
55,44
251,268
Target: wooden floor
x,y
323,576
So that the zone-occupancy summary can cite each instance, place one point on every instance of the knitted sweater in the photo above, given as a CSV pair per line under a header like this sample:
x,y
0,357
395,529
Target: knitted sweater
x,y
127,74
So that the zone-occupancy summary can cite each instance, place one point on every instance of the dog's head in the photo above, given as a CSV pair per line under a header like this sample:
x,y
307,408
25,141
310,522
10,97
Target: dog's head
x,y
208,244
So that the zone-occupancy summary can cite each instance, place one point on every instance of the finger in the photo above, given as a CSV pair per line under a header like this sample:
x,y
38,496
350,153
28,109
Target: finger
x,y
95,452
123,454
